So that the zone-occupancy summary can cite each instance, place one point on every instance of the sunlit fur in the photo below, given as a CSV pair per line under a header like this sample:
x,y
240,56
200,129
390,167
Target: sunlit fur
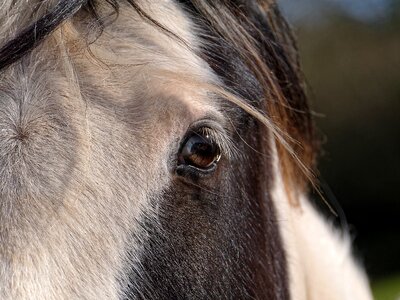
x,y
320,259
88,123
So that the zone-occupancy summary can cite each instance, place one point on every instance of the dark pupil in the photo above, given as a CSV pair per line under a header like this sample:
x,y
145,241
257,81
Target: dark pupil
x,y
201,147
199,151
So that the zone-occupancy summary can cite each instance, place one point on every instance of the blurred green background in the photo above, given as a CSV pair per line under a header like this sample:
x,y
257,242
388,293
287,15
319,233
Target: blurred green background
x,y
350,52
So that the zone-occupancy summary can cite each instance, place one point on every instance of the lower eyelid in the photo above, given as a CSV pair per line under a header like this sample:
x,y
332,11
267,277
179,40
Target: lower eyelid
x,y
194,173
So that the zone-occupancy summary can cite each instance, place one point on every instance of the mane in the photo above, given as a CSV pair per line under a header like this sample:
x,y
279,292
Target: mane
x,y
259,36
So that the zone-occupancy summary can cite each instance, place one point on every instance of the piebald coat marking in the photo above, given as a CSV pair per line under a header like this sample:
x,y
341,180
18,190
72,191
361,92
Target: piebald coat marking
x,y
86,140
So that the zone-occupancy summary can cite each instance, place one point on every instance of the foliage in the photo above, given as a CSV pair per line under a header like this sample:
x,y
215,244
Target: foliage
x,y
388,289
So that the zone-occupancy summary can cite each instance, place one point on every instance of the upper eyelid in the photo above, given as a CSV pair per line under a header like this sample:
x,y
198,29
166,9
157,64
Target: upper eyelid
x,y
217,134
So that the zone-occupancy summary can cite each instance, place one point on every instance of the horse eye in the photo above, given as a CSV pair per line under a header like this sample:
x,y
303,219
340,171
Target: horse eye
x,y
199,151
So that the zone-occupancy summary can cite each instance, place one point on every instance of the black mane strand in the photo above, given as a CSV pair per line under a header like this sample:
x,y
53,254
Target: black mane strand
x,y
30,37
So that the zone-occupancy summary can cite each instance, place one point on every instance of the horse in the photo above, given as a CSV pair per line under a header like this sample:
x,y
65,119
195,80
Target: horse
x,y
160,150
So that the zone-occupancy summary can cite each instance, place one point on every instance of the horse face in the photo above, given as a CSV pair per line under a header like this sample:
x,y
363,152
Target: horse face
x,y
124,176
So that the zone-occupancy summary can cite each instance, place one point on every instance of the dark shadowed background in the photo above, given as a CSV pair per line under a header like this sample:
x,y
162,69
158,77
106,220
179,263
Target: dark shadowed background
x,y
350,52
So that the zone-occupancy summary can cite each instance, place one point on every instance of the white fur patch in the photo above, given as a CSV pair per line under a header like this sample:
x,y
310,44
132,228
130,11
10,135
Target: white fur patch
x,y
319,259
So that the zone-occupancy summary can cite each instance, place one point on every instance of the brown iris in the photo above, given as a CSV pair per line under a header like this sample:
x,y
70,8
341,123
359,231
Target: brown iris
x,y
199,151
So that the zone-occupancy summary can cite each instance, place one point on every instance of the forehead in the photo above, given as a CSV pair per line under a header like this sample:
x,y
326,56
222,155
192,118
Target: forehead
x,y
133,58
131,93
